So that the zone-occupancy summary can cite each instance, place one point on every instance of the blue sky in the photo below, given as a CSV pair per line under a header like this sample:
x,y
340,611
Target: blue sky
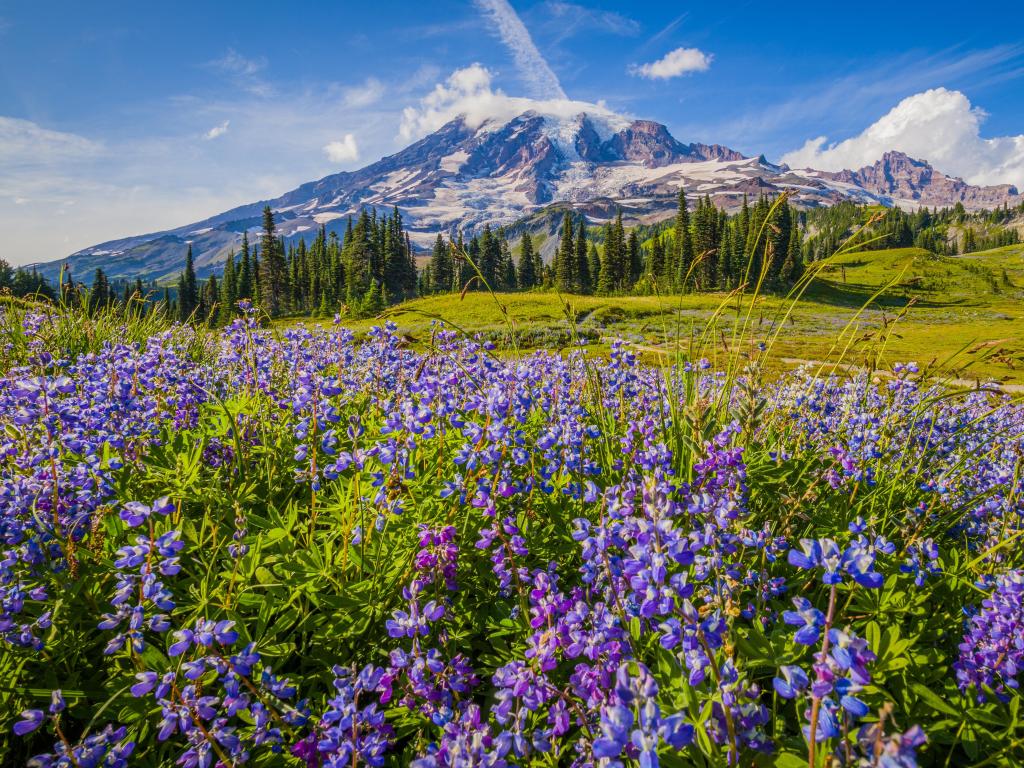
x,y
118,118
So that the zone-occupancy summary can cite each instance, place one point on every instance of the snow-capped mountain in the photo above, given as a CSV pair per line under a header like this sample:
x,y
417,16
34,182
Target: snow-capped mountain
x,y
465,176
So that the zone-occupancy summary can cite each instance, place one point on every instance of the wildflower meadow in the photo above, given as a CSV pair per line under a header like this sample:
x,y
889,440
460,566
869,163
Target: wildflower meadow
x,y
292,547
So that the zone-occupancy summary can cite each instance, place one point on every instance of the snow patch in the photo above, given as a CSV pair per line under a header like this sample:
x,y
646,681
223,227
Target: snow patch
x,y
453,162
323,218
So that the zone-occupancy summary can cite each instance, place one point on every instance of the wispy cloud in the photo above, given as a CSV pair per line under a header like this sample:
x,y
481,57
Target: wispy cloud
x,y
540,81
368,93
243,71
568,19
25,143
344,151
664,32
937,125
217,131
235,63
681,61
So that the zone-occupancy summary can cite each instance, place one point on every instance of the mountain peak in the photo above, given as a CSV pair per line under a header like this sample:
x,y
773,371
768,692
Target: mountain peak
x,y
476,170
899,177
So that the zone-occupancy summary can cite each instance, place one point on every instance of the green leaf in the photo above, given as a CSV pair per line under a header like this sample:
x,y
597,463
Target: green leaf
x,y
933,700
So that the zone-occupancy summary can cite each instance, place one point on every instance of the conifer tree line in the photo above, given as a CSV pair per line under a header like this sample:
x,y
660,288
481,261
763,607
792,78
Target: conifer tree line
x,y
944,231
700,250
372,265
24,282
101,293
485,260
367,269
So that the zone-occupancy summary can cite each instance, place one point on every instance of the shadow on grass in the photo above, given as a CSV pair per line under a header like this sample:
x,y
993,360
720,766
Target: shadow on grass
x,y
856,295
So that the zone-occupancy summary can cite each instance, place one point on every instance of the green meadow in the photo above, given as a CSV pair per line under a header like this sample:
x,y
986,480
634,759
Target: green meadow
x,y
961,315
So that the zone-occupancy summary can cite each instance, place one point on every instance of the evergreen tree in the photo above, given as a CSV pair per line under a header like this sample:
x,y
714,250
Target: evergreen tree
x,y
608,277
211,299
565,258
399,270
257,290
582,260
527,266
490,254
507,276
755,243
634,260
188,289
777,246
273,273
440,267
373,302
970,241
793,266
656,262
228,292
594,266
245,282
100,295
469,273
725,246
682,251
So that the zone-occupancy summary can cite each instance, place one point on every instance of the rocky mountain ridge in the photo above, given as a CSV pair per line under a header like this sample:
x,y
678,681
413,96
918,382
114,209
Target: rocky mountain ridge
x,y
464,176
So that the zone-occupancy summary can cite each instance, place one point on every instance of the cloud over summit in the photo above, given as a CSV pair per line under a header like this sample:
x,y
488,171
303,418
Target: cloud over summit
x,y
468,93
939,126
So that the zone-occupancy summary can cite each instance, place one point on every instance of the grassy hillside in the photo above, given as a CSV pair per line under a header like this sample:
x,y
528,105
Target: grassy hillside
x,y
965,313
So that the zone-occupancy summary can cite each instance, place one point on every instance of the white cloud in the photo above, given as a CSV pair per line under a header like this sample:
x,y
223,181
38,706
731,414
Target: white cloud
x,y
236,64
344,151
681,61
467,92
23,142
937,125
217,131
365,95
540,81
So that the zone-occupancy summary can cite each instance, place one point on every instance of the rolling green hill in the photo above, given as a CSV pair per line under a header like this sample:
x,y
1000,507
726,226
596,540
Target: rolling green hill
x,y
963,313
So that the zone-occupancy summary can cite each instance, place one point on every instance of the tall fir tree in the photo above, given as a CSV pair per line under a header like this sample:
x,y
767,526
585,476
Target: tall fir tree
x,y
606,276
507,269
228,292
490,255
584,281
100,295
211,300
188,289
682,246
527,273
273,272
656,262
440,267
793,266
245,286
565,258
594,266
634,260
